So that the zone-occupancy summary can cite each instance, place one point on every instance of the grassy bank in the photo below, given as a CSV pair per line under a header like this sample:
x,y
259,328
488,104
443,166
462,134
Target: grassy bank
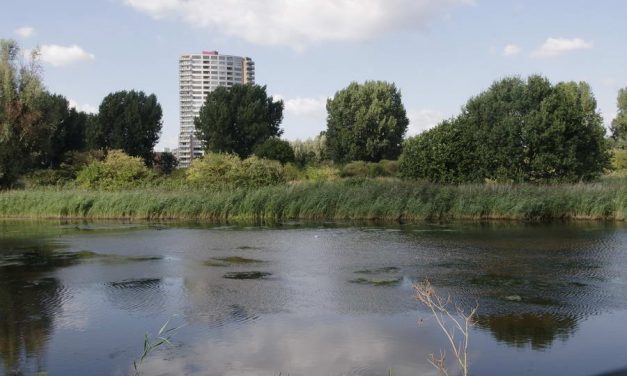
x,y
388,200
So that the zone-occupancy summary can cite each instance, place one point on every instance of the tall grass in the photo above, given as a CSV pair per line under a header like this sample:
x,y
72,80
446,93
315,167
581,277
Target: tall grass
x,y
348,199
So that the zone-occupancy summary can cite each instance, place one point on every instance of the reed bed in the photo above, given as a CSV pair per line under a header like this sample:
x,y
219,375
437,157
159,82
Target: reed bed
x,y
347,199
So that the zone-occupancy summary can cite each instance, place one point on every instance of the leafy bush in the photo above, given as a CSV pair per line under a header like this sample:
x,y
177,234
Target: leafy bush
x,y
321,173
76,160
275,149
619,160
177,180
212,169
165,163
220,170
117,171
355,169
390,168
292,172
47,177
71,163
257,172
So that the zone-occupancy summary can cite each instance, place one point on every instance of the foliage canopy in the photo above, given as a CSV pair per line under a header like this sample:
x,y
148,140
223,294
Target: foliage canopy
x,y
515,131
366,122
36,128
128,121
237,119
275,149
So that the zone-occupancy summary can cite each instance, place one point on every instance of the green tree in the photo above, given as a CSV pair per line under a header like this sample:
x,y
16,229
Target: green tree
x,y
129,121
444,154
275,149
20,90
619,124
61,129
165,163
515,131
366,122
94,136
237,119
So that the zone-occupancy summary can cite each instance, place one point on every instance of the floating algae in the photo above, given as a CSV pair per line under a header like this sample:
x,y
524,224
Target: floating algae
x,y
246,275
386,269
231,260
377,282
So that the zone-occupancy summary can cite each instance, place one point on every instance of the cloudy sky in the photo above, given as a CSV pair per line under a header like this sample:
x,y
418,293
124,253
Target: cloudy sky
x,y
438,52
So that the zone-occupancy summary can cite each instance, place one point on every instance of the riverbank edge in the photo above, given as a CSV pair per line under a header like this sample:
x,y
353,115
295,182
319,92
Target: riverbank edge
x,y
368,200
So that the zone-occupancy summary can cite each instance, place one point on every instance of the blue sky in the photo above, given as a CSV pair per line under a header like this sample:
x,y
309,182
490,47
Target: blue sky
x,y
438,52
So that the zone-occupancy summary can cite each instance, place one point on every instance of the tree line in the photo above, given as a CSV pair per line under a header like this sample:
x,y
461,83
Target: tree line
x,y
518,130
39,129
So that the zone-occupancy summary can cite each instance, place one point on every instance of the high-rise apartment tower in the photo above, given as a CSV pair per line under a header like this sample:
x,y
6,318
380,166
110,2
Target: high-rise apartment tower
x,y
199,75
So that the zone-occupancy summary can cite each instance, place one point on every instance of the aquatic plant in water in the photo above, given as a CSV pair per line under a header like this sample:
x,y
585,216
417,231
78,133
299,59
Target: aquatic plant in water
x,y
163,337
246,275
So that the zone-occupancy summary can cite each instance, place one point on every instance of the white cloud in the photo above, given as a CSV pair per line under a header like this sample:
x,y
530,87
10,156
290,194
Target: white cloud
x,y
422,120
311,107
511,50
299,23
25,32
83,107
304,117
61,55
557,46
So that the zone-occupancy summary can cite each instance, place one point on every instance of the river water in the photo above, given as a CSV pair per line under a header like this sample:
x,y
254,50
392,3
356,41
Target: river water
x,y
309,299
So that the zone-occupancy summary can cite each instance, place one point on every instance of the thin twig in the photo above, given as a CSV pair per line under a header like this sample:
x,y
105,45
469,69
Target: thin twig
x,y
462,322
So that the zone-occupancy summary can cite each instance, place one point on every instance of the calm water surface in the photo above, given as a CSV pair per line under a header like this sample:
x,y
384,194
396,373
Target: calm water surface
x,y
77,298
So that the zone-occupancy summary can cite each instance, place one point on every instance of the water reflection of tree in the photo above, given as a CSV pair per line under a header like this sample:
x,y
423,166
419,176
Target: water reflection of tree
x,y
533,283
29,302
536,330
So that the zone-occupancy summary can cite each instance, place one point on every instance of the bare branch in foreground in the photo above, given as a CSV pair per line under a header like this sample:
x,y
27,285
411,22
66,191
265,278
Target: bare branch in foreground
x,y
450,323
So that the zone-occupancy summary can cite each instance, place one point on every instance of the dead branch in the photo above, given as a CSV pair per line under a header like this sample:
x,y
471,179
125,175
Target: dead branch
x,y
450,323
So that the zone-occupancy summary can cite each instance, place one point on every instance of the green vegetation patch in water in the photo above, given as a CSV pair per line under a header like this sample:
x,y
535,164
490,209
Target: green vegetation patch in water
x,y
387,269
214,263
230,261
44,257
377,282
86,254
246,275
141,258
238,260
90,255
